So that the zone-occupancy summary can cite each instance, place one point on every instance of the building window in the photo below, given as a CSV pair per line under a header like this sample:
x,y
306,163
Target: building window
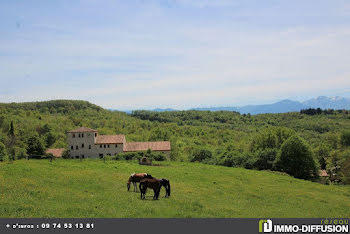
x,y
108,154
79,135
82,145
82,156
101,155
76,156
76,147
116,146
89,146
95,134
82,135
88,134
104,146
108,146
73,135
100,146
71,147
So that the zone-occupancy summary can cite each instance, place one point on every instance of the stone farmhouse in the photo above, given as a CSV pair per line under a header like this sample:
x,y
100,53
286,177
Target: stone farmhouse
x,y
87,143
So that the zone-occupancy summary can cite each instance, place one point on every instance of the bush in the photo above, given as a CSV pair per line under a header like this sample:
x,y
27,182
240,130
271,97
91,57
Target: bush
x,y
66,154
296,159
20,152
159,156
345,171
200,155
236,159
265,159
345,138
3,152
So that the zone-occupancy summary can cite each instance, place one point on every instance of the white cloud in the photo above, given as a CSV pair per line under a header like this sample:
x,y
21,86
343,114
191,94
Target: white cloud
x,y
175,64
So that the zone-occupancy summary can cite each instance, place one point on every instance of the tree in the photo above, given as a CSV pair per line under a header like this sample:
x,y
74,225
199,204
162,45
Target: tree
x,y
345,138
334,163
271,138
346,171
12,142
35,146
50,139
265,159
322,153
201,155
296,159
3,152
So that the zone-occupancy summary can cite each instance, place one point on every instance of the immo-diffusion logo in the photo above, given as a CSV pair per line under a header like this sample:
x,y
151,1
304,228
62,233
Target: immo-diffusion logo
x,y
265,225
326,226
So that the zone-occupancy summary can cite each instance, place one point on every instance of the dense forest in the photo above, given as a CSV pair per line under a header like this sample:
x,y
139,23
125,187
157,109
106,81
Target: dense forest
x,y
314,138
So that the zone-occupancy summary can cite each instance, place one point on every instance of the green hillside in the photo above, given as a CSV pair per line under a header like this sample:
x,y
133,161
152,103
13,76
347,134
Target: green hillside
x,y
92,188
218,138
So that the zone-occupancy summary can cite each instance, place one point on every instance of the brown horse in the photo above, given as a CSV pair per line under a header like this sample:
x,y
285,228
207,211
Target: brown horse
x,y
136,178
156,185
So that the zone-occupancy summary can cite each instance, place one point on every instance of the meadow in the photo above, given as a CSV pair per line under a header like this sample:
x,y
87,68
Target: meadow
x,y
94,188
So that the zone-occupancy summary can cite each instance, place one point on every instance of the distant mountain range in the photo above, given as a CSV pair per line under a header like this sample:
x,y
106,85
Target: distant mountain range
x,y
289,106
283,106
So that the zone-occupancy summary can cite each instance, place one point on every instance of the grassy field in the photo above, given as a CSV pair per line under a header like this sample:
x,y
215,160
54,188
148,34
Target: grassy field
x,y
92,188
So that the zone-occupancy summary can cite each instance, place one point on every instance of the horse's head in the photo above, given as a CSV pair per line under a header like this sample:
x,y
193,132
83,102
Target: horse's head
x,y
129,182
166,184
148,176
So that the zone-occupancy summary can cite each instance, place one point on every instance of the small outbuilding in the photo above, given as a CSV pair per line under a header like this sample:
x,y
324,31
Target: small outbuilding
x,y
57,153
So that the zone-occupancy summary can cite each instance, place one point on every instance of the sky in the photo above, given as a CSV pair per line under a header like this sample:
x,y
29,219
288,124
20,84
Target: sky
x,y
145,54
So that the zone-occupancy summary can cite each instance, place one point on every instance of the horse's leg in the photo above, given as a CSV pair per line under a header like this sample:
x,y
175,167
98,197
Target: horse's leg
x,y
158,191
141,190
135,186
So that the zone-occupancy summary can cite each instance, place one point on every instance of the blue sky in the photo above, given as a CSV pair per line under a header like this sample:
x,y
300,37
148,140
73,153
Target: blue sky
x,y
174,53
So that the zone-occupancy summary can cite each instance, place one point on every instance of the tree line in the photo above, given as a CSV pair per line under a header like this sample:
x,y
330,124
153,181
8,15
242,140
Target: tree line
x,y
263,142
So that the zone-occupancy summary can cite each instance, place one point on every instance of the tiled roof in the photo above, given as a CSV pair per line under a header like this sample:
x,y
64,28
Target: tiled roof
x,y
83,129
323,173
110,139
56,152
139,146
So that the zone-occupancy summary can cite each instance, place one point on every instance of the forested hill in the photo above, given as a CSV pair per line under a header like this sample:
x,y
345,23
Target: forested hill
x,y
54,106
223,137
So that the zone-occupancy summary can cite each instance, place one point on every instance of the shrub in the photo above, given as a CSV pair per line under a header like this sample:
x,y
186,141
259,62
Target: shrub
x,y
159,156
3,152
345,138
296,159
345,175
265,159
234,159
200,155
66,154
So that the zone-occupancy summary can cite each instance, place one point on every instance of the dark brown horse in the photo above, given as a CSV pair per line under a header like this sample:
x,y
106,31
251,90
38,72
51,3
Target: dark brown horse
x,y
136,178
156,185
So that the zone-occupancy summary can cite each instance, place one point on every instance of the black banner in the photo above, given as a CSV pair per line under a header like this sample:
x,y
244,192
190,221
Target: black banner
x,y
164,226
